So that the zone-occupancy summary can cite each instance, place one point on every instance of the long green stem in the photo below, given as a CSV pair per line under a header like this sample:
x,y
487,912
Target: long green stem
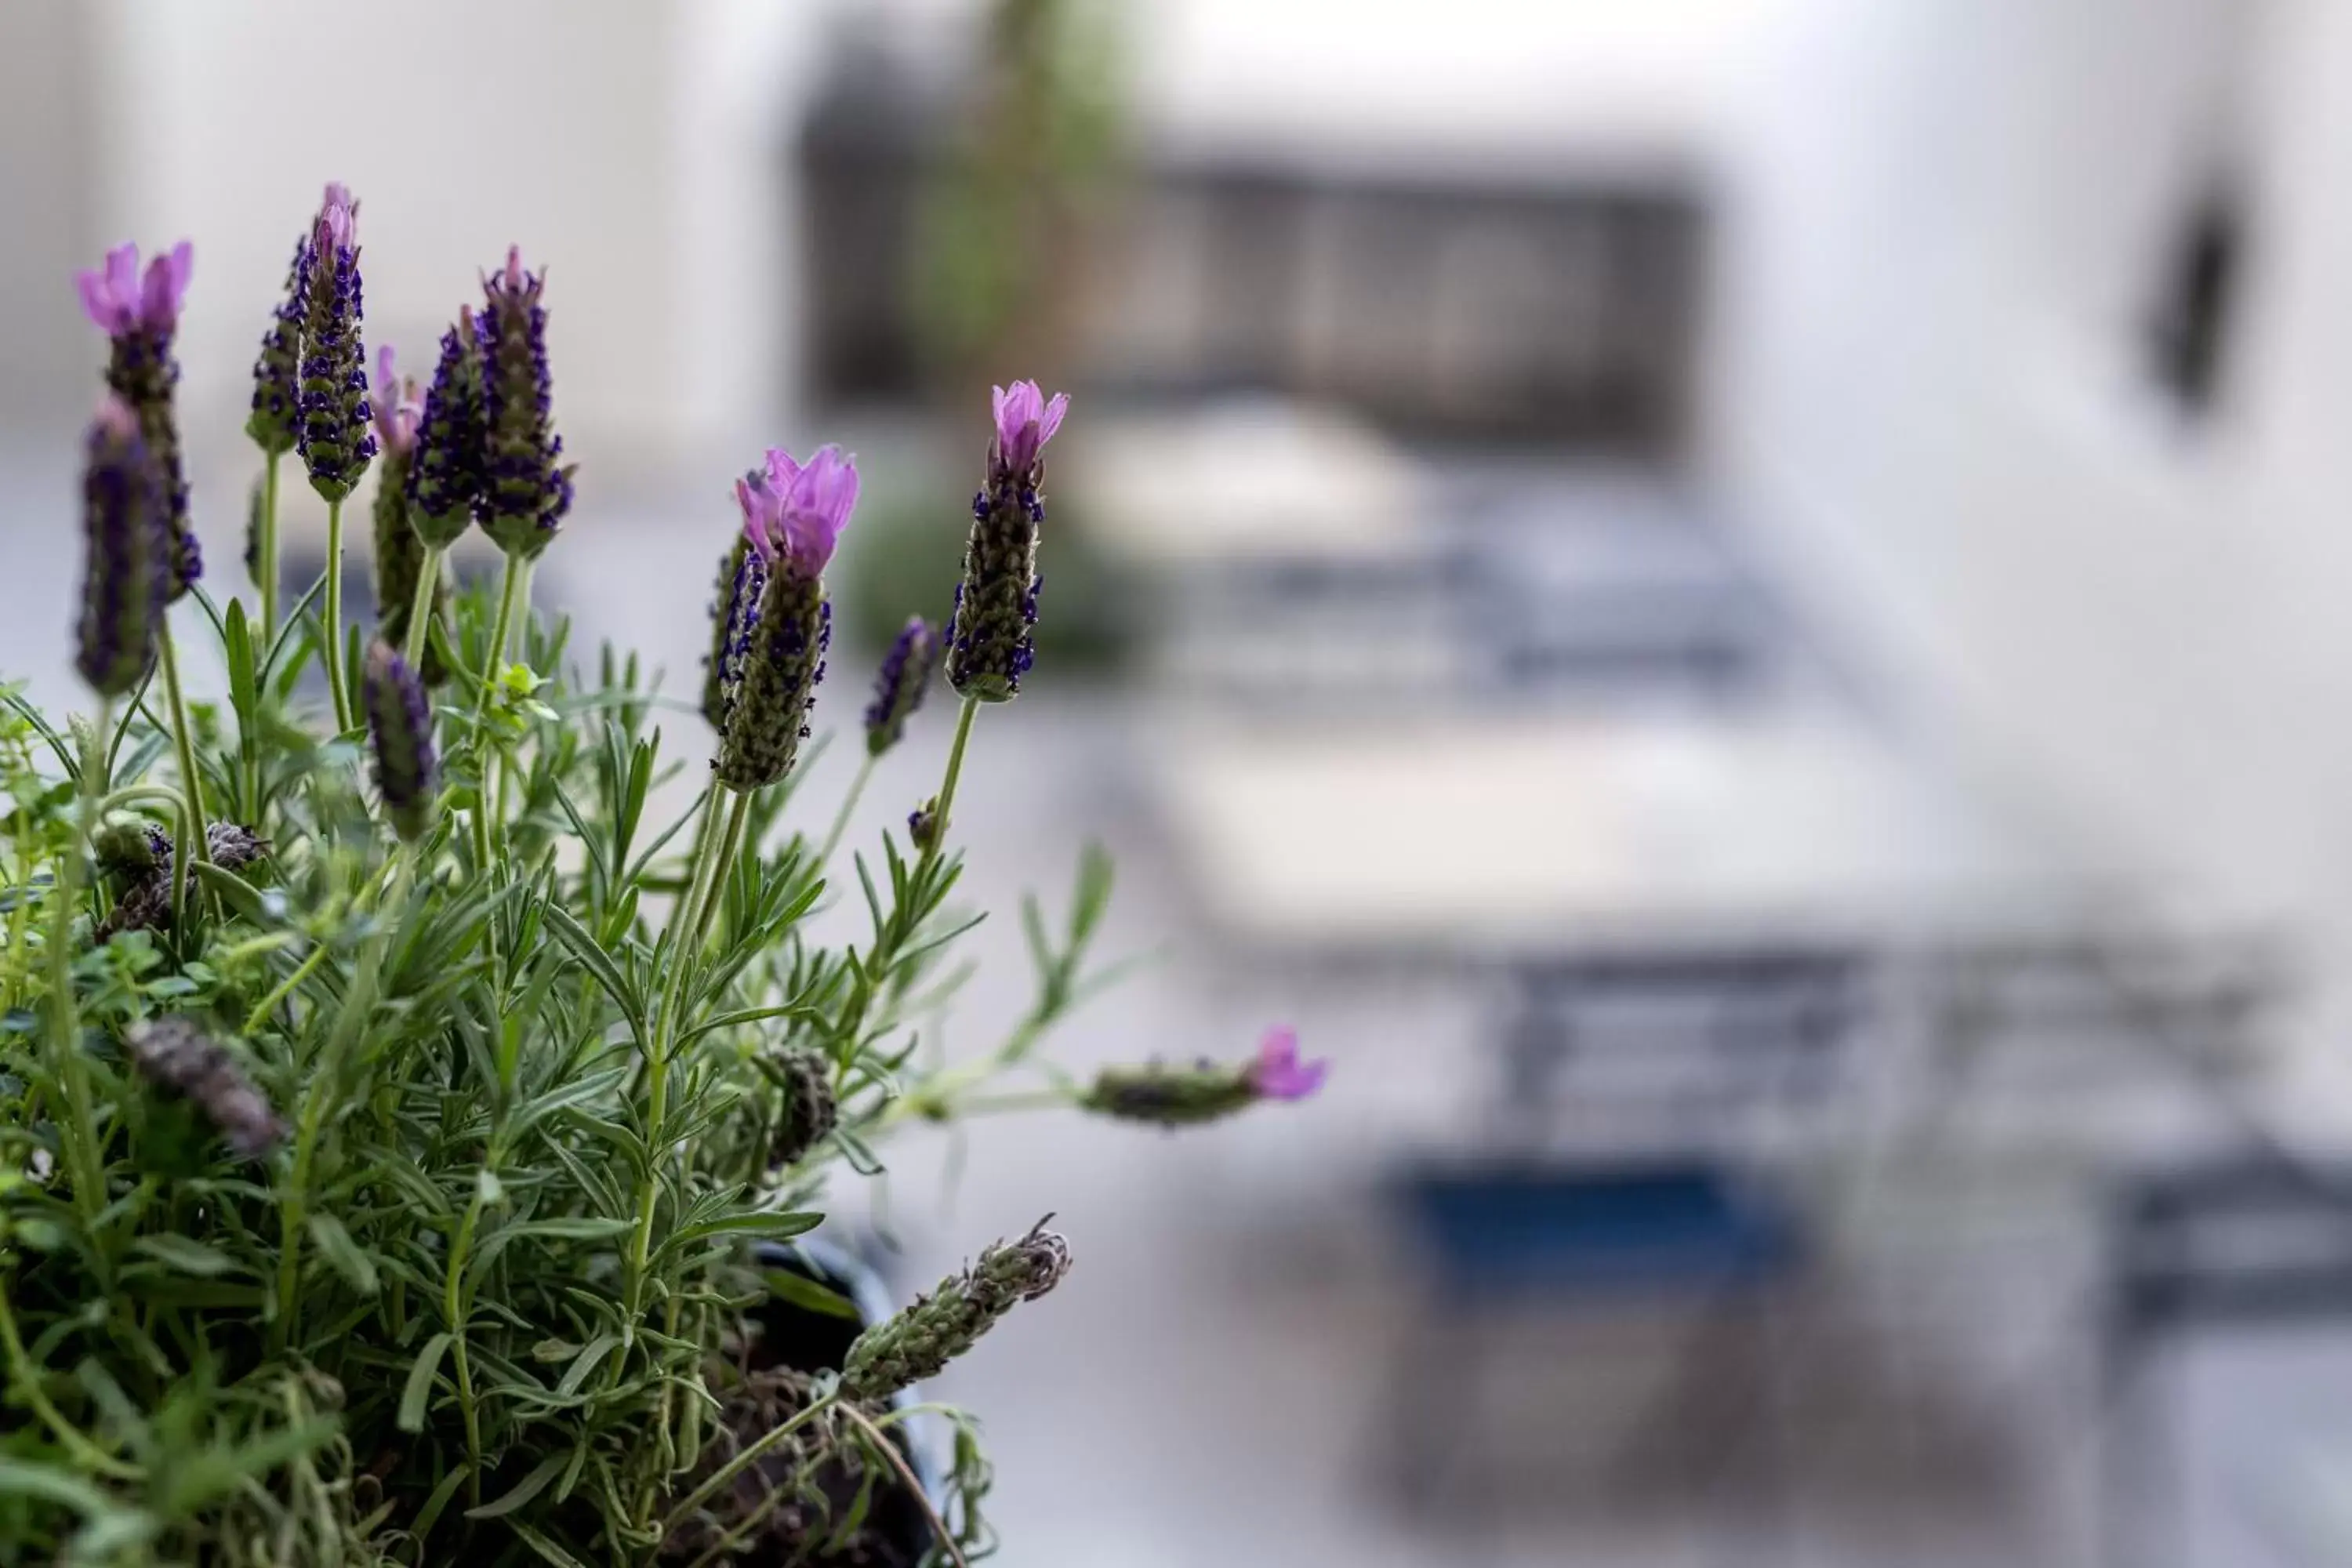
x,y
192,846
493,659
714,894
264,554
684,923
744,1460
80,1133
948,786
420,609
455,1312
840,818
334,614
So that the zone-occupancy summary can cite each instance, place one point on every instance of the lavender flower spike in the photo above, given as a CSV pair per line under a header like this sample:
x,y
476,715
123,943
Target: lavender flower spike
x,y
127,577
277,369
400,555
1179,1096
526,487
173,1054
400,729
332,433
919,1341
742,579
793,515
140,316
899,690
989,643
444,475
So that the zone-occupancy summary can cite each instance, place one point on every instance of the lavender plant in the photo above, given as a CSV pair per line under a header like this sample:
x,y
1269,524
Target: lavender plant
x,y
394,1112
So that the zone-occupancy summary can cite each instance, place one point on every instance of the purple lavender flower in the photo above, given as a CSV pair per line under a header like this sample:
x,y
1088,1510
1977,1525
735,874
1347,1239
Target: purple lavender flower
x,y
990,642
393,406
1278,1073
445,479
140,316
526,489
400,729
332,433
793,514
128,576
899,690
277,369
1025,421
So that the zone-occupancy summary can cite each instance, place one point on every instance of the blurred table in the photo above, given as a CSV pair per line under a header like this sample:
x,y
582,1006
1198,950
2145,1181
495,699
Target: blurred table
x,y
1250,480
1527,840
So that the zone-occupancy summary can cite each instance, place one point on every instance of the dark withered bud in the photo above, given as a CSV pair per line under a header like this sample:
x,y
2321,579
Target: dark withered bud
x,y
742,578
277,373
990,646
768,718
128,575
526,487
906,675
144,905
127,848
923,825
332,431
232,846
919,1341
174,1055
809,1108
445,478
138,859
776,1506
400,729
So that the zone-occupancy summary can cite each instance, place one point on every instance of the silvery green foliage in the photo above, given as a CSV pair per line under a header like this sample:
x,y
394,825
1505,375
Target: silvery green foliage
x,y
341,1221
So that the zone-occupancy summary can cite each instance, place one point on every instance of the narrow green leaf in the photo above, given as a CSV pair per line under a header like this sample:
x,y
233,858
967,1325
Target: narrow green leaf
x,y
336,1246
776,1224
799,1290
523,1490
586,1361
235,891
750,1016
187,1256
546,1549
583,946
419,1389
241,682
440,1499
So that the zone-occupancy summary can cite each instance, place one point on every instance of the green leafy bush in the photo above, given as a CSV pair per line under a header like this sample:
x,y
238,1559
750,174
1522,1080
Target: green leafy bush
x,y
383,1162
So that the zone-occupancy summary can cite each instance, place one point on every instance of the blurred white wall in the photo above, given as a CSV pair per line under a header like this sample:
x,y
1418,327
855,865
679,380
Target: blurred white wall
x,y
47,166
632,148
1946,231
